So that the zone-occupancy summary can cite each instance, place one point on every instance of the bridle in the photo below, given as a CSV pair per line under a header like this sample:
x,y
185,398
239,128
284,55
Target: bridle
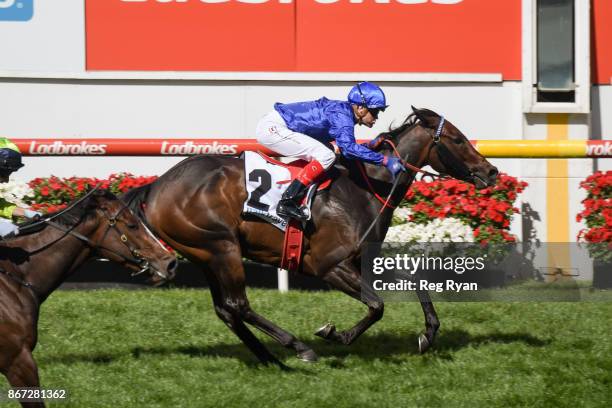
x,y
136,259
96,247
448,159
456,167
436,141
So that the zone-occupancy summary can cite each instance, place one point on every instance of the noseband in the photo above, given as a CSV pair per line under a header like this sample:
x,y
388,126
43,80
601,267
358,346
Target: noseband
x,y
447,158
457,168
136,259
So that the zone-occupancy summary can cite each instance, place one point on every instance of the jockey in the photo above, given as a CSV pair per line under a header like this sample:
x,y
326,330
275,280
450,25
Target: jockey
x,y
304,130
10,161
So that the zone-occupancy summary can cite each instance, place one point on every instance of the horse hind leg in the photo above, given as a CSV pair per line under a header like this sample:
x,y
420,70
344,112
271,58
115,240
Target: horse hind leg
x,y
349,281
227,286
432,324
23,372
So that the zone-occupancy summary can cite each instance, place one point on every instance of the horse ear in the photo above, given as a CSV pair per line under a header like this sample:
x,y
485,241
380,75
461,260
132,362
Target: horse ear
x,y
419,113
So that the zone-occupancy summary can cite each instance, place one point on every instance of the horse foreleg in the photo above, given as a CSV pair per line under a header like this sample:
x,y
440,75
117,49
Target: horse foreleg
x,y
349,281
285,338
432,324
22,372
231,305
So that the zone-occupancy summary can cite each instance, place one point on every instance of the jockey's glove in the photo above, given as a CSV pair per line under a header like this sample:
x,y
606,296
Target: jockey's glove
x,y
394,165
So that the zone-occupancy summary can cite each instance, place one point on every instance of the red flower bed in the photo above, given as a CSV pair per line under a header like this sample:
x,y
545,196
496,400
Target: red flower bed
x,y
53,193
597,214
488,211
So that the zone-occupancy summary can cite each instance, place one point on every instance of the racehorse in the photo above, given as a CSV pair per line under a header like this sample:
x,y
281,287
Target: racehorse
x,y
32,265
196,207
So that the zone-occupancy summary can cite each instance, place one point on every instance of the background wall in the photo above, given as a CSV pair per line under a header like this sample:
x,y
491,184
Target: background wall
x,y
209,110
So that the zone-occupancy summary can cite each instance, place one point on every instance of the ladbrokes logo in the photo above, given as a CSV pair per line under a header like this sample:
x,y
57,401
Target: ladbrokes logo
x,y
62,149
600,149
16,10
291,1
190,148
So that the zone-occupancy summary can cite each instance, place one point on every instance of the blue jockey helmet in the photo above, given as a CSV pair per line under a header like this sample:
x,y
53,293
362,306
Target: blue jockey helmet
x,y
369,95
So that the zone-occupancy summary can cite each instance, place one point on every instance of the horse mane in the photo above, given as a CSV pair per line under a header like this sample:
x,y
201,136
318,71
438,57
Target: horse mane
x,y
393,132
135,198
84,209
410,121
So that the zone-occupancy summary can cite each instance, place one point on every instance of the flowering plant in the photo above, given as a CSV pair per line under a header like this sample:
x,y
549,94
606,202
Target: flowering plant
x,y
487,211
50,194
16,192
597,215
437,230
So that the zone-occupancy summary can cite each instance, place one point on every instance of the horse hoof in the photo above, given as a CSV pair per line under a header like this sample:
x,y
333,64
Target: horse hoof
x,y
424,344
308,356
326,331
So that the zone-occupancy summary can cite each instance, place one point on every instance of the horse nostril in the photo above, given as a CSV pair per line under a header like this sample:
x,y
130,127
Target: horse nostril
x,y
172,266
493,172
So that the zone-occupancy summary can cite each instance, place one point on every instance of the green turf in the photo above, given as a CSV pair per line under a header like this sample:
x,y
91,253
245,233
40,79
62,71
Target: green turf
x,y
167,348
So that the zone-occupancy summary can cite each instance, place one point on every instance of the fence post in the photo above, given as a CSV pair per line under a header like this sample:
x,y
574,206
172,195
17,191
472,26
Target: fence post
x,y
283,280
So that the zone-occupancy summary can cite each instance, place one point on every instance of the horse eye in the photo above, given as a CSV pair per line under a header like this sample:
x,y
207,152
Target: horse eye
x,y
132,226
458,140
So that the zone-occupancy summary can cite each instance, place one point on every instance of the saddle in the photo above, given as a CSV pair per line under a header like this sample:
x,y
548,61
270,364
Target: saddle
x,y
266,180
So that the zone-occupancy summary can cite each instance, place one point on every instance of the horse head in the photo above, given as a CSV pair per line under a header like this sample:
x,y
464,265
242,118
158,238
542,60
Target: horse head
x,y
122,237
439,144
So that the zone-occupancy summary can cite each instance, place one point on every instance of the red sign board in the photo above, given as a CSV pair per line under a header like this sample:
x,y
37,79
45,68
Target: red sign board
x,y
477,36
181,35
480,36
189,147
601,42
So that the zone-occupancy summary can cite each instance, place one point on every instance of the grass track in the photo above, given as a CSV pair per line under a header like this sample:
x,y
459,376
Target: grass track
x,y
167,348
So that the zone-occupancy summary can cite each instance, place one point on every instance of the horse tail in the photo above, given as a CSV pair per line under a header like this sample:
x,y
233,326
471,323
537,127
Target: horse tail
x,y
136,198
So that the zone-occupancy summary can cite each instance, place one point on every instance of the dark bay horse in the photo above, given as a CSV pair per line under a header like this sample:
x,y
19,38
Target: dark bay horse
x,y
33,265
196,208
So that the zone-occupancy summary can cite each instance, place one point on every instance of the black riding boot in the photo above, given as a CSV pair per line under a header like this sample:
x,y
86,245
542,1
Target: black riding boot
x,y
289,204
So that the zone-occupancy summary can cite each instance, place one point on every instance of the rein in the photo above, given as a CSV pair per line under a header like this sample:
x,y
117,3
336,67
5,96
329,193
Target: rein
x,y
136,258
112,221
44,220
447,158
395,183
413,167
23,283
367,180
